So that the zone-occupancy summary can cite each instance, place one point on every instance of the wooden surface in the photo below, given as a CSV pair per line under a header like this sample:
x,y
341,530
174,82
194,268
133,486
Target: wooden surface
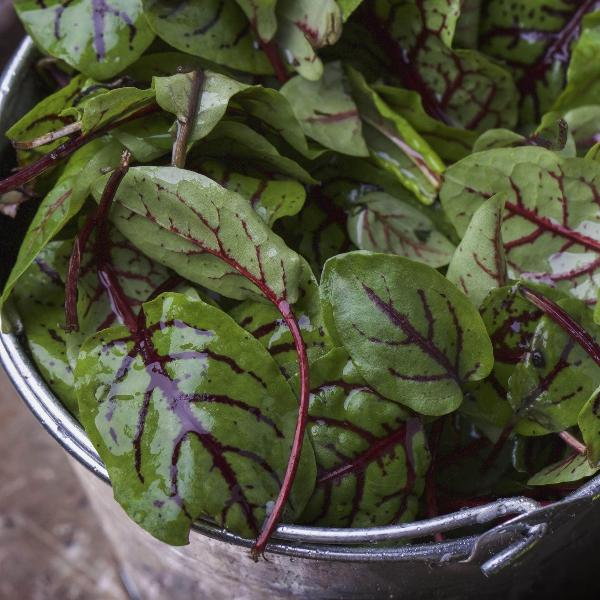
x,y
51,547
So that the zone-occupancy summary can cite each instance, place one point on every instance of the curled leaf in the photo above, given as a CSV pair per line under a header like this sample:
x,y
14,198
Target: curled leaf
x,y
479,263
395,145
327,112
382,223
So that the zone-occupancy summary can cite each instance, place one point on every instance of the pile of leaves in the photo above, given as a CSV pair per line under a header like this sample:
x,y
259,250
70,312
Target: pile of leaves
x,y
328,262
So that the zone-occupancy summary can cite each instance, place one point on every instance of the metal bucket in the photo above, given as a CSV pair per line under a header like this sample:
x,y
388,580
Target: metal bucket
x,y
534,549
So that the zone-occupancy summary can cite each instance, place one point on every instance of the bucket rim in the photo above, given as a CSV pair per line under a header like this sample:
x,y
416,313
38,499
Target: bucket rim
x,y
337,544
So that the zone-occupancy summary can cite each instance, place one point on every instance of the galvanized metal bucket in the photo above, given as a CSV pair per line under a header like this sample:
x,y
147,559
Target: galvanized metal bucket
x,y
534,548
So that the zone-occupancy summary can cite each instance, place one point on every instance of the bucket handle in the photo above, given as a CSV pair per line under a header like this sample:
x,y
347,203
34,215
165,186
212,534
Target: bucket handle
x,y
527,537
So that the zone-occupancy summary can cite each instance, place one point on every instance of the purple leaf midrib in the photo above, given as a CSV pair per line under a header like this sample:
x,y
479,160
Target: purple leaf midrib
x,y
401,321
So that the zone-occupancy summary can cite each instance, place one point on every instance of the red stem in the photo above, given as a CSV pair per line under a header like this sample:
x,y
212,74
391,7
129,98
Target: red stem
x,y
273,519
271,49
573,442
97,221
564,321
26,174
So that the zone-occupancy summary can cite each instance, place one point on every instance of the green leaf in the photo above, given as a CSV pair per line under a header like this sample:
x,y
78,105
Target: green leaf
x,y
272,199
216,30
535,41
348,7
413,336
451,143
63,203
467,26
45,117
305,26
138,275
371,456
327,112
261,14
319,231
205,233
107,107
40,300
382,223
583,75
233,140
572,468
147,138
173,95
589,424
553,133
556,377
510,321
479,264
192,418
395,145
458,87
98,37
551,217
264,322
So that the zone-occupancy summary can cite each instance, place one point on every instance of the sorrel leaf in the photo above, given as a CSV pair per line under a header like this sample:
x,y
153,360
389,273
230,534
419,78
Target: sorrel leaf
x,y
108,107
63,202
572,468
216,30
232,140
510,321
395,145
479,264
551,216
458,87
466,34
138,276
43,118
451,143
327,112
206,233
271,199
305,26
97,37
173,95
583,74
261,14
192,418
348,7
556,377
319,231
589,425
412,335
535,40
382,223
371,455
264,322
39,298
